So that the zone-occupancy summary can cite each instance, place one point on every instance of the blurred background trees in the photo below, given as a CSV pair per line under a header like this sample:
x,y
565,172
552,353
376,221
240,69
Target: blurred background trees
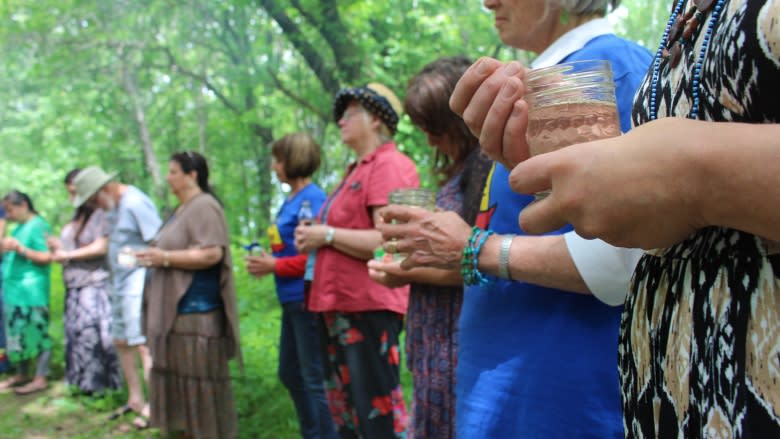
x,y
124,83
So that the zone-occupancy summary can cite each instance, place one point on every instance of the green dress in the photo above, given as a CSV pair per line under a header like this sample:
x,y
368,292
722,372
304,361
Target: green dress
x,y
26,294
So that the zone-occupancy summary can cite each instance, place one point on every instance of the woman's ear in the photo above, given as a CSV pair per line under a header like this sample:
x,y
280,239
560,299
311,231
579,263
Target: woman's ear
x,y
194,175
376,123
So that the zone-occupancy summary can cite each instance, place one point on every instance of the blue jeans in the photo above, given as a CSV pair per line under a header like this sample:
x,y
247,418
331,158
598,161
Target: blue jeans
x,y
300,370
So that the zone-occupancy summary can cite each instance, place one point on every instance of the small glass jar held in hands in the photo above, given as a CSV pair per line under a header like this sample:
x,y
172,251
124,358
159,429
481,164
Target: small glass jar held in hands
x,y
409,197
570,103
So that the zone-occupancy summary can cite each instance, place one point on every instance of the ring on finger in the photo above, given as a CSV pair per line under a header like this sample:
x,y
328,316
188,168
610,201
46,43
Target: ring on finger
x,y
392,246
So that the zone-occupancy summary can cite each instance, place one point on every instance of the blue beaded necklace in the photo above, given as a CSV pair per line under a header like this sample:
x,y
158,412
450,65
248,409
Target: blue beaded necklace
x,y
673,31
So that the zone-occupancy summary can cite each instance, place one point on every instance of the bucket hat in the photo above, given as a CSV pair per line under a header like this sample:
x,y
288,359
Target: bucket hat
x,y
374,97
88,182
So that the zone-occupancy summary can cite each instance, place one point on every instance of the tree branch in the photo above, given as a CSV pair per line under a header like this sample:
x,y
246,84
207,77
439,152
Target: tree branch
x,y
296,98
175,66
309,53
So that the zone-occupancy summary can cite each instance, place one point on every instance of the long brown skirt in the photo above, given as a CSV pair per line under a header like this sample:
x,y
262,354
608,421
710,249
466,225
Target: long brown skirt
x,y
192,392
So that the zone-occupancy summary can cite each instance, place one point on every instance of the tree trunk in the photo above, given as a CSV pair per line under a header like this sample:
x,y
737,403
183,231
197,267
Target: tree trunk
x,y
150,159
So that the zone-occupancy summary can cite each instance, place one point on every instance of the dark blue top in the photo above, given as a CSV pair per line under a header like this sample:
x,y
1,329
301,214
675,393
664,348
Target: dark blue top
x,y
203,293
281,238
629,62
536,362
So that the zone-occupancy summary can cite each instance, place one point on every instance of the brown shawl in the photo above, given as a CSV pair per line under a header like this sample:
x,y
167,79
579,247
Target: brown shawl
x,y
198,224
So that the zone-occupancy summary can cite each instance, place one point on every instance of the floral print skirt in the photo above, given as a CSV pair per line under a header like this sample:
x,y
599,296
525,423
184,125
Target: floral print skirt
x,y
362,376
26,331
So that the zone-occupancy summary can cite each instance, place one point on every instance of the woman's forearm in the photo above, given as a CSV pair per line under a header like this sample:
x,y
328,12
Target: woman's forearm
x,y
358,243
37,257
191,258
96,248
540,260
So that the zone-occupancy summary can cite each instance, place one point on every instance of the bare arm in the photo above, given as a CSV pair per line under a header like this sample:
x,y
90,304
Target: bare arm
x,y
186,259
540,260
358,243
438,239
94,249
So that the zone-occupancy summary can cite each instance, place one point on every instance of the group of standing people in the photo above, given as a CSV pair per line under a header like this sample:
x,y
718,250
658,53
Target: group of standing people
x,y
529,349
137,289
511,332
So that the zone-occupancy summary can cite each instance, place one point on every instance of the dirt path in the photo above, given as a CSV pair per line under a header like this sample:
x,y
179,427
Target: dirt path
x,y
54,414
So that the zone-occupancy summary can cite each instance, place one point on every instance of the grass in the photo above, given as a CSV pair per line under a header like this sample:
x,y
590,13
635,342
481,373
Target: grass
x,y
264,407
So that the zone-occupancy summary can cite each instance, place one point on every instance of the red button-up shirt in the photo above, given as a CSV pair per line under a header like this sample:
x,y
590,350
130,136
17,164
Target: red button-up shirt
x,y
341,282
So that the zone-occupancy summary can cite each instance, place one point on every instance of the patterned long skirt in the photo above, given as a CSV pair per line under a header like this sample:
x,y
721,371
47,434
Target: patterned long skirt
x,y
432,351
91,361
362,376
26,331
699,350
190,392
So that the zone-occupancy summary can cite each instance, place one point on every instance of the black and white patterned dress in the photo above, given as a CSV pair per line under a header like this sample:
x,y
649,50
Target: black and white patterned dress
x,y
699,351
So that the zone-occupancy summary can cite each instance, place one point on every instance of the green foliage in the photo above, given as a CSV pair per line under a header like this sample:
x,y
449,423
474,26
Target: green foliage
x,y
124,84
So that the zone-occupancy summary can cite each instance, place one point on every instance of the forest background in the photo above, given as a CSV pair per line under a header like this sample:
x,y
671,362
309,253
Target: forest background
x,y
124,83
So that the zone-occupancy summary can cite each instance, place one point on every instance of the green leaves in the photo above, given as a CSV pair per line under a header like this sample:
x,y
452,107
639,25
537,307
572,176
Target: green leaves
x,y
222,77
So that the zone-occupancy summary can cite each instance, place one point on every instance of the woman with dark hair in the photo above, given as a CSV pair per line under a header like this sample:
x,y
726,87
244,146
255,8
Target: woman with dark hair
x,y
436,295
295,158
91,361
190,315
26,294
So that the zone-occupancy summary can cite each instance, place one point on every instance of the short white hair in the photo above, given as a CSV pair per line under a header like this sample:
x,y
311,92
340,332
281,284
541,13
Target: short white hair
x,y
585,7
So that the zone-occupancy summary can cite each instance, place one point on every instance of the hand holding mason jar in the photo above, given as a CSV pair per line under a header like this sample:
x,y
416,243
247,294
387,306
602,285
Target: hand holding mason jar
x,y
408,197
495,100
570,103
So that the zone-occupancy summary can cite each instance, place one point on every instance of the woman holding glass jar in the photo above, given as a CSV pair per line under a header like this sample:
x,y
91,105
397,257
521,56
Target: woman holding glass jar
x,y
534,343
698,183
190,315
360,320
435,295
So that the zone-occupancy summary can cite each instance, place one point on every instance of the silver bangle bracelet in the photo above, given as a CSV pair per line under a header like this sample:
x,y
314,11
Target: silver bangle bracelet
x,y
503,257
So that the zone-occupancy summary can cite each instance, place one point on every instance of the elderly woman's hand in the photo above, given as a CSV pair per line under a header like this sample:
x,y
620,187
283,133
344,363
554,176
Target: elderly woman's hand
x,y
489,98
388,273
310,238
638,190
431,239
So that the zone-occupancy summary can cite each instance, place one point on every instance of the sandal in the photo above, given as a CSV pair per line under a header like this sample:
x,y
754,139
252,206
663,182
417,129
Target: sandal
x,y
141,422
121,411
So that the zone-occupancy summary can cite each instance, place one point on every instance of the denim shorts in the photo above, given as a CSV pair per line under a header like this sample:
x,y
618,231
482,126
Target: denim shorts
x,y
126,304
